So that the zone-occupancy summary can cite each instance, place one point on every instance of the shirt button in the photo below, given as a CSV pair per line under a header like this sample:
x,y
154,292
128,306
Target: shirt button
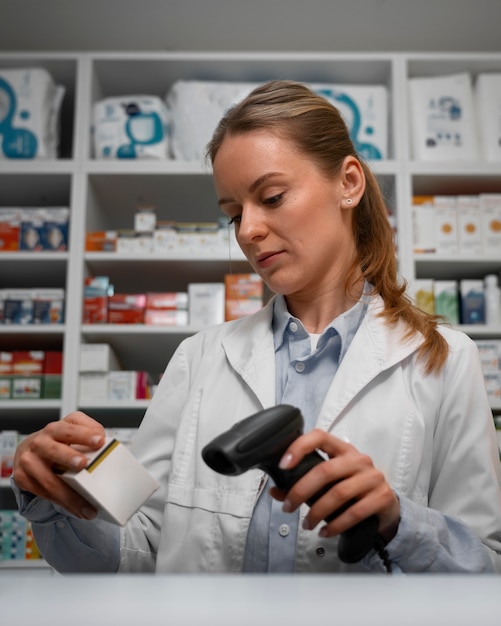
x,y
300,366
293,327
60,524
283,531
320,551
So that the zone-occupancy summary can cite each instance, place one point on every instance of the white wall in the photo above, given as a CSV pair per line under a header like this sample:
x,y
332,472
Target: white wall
x,y
337,25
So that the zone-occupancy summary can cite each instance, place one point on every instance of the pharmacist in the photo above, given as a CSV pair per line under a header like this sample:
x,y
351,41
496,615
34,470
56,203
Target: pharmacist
x,y
395,403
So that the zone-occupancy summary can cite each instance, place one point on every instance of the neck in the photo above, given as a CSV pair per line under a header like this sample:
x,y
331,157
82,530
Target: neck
x,y
317,313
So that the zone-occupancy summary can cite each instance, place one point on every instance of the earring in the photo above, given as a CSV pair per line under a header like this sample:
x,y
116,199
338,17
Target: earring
x,y
349,201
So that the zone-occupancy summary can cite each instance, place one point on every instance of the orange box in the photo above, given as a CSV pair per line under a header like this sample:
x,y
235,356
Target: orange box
x,y
10,228
101,241
243,295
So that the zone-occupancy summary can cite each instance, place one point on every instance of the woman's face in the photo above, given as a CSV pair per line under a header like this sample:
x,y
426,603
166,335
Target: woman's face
x,y
291,221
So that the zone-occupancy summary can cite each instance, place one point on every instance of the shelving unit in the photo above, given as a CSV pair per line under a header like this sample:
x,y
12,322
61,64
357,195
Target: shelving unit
x,y
104,195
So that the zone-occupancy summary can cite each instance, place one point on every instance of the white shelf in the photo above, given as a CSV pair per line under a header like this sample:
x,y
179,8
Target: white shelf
x,y
103,194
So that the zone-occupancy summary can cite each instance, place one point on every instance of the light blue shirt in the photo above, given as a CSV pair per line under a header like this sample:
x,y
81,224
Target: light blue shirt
x,y
303,376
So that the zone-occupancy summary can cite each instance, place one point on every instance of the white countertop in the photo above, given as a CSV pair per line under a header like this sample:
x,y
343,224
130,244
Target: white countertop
x,y
224,600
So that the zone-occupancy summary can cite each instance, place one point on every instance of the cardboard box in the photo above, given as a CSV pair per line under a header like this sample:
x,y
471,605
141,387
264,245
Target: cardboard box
x,y
446,297
490,215
18,306
126,308
10,228
48,306
55,229
101,241
93,387
167,300
423,224
243,295
97,357
95,301
469,225
113,481
206,304
472,301
424,296
446,230
32,227
165,317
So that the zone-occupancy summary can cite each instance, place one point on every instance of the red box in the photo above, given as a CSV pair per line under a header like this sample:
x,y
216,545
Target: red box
x,y
10,228
126,308
28,363
53,362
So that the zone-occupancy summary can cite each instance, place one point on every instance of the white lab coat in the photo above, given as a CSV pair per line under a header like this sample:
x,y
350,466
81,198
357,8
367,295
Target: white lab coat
x,y
432,436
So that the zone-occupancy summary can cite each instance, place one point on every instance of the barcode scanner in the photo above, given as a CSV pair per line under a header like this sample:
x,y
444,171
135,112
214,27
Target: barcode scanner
x,y
259,441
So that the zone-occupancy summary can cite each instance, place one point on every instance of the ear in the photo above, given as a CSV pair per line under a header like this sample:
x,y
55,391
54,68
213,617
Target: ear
x,y
352,181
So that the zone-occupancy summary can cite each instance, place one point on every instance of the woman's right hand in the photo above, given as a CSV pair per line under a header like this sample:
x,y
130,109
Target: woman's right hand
x,y
55,446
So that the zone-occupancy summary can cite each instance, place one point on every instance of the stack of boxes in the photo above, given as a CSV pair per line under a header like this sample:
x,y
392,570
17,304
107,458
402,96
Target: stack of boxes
x,y
34,229
467,225
102,379
204,304
30,375
16,538
32,306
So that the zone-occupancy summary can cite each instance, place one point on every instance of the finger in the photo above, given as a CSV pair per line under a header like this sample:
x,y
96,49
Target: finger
x,y
63,443
39,479
316,439
349,500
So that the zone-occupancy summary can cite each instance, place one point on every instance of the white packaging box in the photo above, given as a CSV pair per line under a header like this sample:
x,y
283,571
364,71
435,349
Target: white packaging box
x,y
114,482
364,109
469,225
490,215
206,304
443,122
131,126
97,357
423,224
31,105
446,230
422,292
93,387
490,354
488,104
493,387
145,220
122,385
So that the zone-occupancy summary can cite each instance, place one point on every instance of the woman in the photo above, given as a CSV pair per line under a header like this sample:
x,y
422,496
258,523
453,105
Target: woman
x,y
395,403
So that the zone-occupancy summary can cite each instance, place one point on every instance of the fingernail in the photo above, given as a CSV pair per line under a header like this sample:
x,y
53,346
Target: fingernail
x,y
322,532
285,461
306,524
96,440
88,513
286,506
77,462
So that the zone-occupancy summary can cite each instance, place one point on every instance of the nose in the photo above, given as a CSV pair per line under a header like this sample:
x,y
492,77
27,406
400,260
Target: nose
x,y
252,225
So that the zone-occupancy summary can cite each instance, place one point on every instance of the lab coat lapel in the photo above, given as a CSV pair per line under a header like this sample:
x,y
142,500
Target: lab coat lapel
x,y
375,348
251,353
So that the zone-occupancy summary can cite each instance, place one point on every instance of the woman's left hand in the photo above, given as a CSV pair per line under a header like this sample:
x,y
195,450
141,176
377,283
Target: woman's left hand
x,y
356,479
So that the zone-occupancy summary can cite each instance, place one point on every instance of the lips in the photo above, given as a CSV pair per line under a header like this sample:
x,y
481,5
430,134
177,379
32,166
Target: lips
x,y
267,258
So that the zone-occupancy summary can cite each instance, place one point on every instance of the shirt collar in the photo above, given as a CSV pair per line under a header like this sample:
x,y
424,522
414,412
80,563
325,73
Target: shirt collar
x,y
345,325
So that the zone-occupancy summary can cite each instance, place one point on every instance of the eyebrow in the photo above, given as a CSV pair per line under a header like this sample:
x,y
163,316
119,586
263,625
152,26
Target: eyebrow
x,y
253,186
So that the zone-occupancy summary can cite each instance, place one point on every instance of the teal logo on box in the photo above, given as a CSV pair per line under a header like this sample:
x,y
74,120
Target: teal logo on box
x,y
17,143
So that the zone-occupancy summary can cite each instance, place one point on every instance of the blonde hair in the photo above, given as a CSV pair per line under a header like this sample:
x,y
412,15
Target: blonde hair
x,y
295,112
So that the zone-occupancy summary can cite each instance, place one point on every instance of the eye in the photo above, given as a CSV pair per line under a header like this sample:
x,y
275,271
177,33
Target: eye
x,y
273,200
234,220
